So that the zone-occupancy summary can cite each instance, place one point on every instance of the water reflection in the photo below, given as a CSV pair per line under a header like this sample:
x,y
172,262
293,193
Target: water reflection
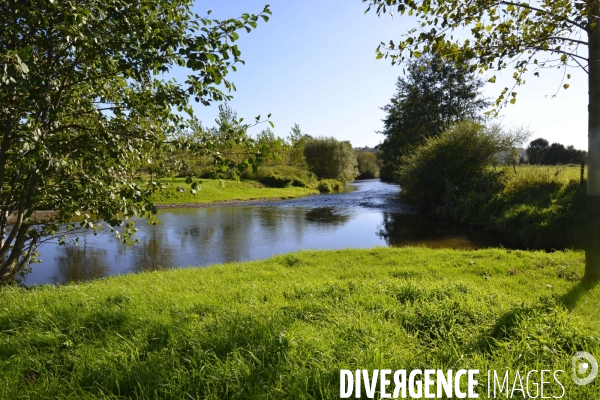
x,y
76,263
328,216
367,215
414,230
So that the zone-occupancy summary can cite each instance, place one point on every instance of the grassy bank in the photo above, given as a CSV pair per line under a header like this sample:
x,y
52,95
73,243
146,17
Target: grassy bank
x,y
535,207
214,190
284,327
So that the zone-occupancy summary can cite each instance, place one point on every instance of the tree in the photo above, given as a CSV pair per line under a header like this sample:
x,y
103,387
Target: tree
x,y
298,142
84,104
270,144
367,163
536,151
329,158
433,95
541,152
556,154
519,35
511,158
453,163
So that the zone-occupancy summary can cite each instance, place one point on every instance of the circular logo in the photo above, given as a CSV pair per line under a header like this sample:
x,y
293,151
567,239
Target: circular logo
x,y
585,368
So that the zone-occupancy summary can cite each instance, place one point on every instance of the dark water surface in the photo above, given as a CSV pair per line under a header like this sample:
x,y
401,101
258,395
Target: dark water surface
x,y
367,214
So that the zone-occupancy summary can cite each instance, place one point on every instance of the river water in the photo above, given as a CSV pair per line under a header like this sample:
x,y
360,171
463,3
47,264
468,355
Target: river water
x,y
366,214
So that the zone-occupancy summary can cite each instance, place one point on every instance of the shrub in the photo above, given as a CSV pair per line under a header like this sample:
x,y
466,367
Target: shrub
x,y
456,161
329,158
368,168
329,185
282,176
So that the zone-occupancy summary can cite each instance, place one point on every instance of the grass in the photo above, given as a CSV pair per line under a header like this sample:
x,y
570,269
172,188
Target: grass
x,y
540,207
284,327
214,190
562,173
288,176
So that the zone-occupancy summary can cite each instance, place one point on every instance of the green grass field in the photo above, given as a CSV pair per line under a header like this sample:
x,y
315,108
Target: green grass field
x,y
284,327
214,190
563,173
538,207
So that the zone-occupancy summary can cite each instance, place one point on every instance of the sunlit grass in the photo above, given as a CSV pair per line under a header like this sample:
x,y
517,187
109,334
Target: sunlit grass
x,y
562,173
284,327
214,190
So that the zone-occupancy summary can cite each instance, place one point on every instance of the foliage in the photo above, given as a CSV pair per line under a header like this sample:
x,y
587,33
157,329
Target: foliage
x,y
519,35
329,158
533,207
432,96
272,145
84,105
297,141
329,185
540,152
512,158
283,176
367,164
452,162
537,150
284,327
504,34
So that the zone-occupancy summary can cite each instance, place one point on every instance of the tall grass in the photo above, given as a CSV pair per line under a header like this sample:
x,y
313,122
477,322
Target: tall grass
x,y
537,207
284,327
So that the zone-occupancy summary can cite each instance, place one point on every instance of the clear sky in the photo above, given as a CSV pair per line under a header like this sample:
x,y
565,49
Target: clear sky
x,y
314,64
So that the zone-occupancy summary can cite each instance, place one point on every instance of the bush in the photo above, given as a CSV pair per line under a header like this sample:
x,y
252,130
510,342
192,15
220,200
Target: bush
x,y
454,161
282,176
368,167
531,207
537,210
329,185
329,158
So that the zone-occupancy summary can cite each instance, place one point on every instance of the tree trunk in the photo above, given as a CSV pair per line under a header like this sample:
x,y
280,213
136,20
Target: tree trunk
x,y
592,251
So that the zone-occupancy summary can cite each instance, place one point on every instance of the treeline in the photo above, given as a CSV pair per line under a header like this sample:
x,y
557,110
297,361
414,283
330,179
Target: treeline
x,y
298,159
540,152
443,152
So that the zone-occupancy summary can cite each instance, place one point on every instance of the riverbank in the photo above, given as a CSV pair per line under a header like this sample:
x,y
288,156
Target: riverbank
x,y
210,192
537,207
213,193
284,327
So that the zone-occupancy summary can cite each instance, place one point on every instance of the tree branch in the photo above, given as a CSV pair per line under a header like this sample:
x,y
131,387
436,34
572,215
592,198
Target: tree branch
x,y
532,8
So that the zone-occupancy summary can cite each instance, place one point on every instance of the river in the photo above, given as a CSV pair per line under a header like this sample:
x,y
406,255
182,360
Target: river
x,y
366,214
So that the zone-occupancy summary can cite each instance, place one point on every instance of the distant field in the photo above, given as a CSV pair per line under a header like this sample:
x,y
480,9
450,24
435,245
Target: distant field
x,y
284,327
214,190
563,173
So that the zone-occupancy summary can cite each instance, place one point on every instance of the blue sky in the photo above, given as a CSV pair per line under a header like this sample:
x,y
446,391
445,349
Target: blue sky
x,y
314,64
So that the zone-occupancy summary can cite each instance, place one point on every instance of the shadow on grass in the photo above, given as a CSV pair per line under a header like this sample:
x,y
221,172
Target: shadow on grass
x,y
537,327
571,298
